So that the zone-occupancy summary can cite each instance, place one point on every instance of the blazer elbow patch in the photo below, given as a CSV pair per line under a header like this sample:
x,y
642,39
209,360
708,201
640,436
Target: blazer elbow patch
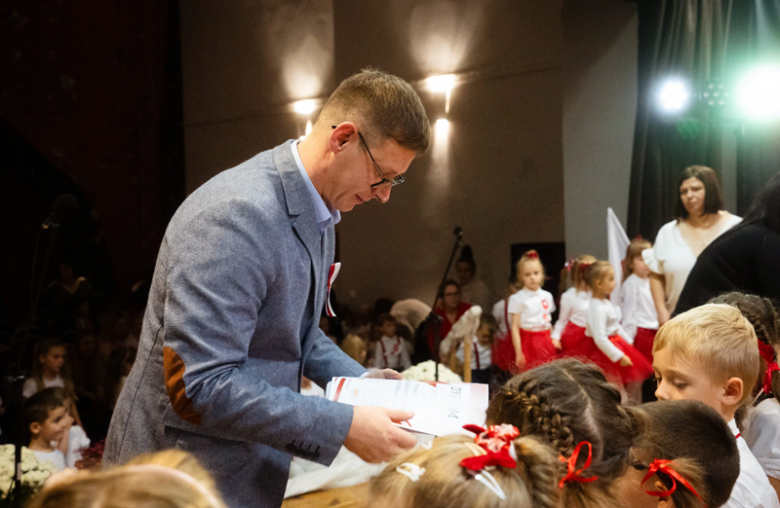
x,y
174,382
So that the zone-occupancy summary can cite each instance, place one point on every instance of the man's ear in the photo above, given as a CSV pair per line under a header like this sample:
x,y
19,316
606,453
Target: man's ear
x,y
342,133
732,391
663,501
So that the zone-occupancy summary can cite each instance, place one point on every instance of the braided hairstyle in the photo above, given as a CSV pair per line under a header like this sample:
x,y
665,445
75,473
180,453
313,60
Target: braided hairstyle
x,y
564,403
763,315
445,483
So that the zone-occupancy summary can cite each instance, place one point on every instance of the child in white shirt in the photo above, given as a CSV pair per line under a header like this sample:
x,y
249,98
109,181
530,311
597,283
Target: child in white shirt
x,y
709,354
481,353
390,351
573,316
530,310
47,420
640,319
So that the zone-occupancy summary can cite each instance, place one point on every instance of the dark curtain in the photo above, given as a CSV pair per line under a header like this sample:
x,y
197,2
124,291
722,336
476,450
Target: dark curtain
x,y
706,43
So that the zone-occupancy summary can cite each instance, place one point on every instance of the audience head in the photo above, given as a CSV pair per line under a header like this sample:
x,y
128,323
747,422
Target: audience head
x,y
700,192
709,354
633,262
45,416
168,479
701,448
487,329
88,344
565,403
511,286
450,295
51,361
355,348
388,324
766,207
600,278
434,477
763,315
466,268
530,271
578,267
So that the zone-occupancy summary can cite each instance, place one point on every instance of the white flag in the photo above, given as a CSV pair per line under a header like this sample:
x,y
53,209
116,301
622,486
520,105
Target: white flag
x,y
617,243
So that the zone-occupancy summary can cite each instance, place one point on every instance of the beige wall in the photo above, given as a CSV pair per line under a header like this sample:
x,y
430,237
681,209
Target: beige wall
x,y
500,173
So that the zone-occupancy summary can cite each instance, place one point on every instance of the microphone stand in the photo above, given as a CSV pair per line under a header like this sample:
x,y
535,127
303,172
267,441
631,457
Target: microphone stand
x,y
16,375
433,319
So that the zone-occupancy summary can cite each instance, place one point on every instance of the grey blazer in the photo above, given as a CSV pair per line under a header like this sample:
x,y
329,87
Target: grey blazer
x,y
230,327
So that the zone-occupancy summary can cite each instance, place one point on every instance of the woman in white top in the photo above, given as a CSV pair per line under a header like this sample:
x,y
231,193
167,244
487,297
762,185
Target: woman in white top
x,y
700,219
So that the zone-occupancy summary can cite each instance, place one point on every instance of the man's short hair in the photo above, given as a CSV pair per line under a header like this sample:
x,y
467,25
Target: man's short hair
x,y
677,429
717,336
37,407
386,105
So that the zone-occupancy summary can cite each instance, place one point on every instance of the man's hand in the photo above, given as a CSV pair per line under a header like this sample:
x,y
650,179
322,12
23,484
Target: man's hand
x,y
374,438
385,374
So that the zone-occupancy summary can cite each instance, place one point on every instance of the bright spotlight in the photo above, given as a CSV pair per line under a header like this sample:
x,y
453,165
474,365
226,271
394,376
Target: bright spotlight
x,y
673,97
758,93
441,84
442,127
305,107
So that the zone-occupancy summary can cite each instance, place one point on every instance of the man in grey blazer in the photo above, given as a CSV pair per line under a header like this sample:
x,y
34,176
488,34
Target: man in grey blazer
x,y
241,279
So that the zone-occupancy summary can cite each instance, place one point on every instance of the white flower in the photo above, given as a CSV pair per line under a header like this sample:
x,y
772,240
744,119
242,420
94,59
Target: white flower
x,y
426,372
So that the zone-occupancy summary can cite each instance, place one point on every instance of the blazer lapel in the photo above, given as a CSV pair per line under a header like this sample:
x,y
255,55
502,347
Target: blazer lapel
x,y
301,211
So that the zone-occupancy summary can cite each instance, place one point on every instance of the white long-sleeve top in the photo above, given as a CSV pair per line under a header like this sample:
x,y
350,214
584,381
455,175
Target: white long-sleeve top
x,y
391,353
752,489
638,307
574,308
604,322
762,435
534,308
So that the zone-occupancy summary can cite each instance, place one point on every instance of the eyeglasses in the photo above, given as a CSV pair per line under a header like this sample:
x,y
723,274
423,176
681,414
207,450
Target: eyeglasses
x,y
384,181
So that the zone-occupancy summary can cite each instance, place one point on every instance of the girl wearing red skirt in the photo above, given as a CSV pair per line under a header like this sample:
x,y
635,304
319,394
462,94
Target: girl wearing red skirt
x,y
622,364
573,315
529,311
640,319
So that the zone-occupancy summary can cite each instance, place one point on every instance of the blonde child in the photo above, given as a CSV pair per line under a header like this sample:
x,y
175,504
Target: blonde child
x,y
390,351
481,354
762,428
530,312
566,403
51,369
573,316
685,457
709,354
75,439
620,361
459,470
640,320
170,479
47,421
355,347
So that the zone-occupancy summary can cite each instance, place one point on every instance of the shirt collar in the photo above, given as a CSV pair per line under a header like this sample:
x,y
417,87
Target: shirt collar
x,y
326,217
733,427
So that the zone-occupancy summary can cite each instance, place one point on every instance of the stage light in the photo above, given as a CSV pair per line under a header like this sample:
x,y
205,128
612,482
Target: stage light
x,y
758,93
441,84
442,128
673,96
305,107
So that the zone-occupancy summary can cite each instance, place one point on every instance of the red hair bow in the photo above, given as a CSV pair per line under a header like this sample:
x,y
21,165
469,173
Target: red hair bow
x,y
532,255
572,473
661,465
496,441
767,352
584,266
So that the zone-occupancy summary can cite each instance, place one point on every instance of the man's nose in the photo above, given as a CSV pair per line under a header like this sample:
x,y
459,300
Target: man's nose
x,y
382,193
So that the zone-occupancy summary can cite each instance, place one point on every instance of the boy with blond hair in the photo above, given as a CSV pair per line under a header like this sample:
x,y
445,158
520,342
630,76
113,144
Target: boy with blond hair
x,y
709,354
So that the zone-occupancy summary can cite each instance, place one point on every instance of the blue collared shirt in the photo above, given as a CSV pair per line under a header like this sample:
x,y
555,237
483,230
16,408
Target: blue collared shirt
x,y
326,217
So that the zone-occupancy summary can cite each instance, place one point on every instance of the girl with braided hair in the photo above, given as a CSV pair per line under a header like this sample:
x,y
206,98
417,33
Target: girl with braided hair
x,y
567,403
762,426
458,470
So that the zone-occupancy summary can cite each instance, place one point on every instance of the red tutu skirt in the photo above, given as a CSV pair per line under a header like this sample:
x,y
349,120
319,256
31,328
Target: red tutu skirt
x,y
574,342
643,342
639,371
537,347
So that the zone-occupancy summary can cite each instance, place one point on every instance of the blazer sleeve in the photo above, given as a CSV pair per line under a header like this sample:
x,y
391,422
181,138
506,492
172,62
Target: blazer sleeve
x,y
326,360
219,271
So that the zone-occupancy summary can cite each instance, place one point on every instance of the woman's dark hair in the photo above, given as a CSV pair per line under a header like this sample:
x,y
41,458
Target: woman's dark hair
x,y
766,207
713,196
450,282
467,256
